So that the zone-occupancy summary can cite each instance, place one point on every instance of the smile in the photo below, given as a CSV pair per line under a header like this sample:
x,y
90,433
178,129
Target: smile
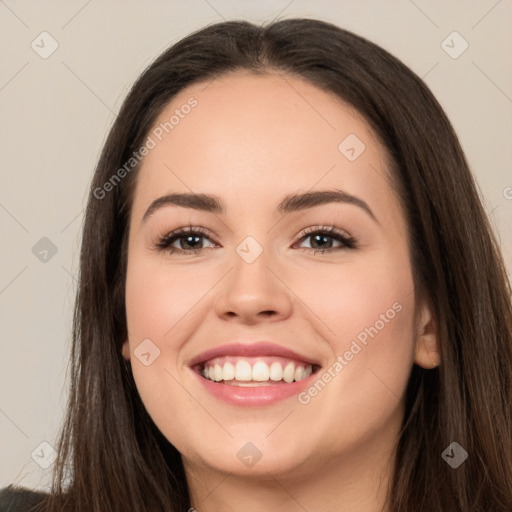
x,y
255,371
259,374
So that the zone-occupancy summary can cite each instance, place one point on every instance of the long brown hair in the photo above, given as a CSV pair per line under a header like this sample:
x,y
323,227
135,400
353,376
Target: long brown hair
x,y
111,456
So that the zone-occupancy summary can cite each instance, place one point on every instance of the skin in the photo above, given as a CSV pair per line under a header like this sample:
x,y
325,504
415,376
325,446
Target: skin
x,y
251,140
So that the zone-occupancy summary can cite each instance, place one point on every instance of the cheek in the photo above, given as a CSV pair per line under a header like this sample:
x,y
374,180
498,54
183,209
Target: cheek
x,y
365,307
371,308
160,299
160,303
366,311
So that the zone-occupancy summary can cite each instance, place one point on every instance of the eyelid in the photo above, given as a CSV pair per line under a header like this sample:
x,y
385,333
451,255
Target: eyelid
x,y
347,240
324,229
164,241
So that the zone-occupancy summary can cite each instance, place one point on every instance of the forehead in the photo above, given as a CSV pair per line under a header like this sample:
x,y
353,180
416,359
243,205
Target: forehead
x,y
255,136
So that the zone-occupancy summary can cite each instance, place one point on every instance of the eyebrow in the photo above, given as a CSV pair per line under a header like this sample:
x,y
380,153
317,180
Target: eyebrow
x,y
291,203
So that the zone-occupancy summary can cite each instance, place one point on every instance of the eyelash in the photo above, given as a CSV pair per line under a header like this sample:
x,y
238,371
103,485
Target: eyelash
x,y
347,241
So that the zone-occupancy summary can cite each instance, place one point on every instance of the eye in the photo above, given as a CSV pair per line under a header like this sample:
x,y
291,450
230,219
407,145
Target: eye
x,y
188,240
322,238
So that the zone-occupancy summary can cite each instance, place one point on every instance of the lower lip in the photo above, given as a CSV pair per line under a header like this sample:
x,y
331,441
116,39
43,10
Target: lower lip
x,y
254,396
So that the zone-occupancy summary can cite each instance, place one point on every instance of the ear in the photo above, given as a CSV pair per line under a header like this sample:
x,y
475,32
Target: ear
x,y
126,350
428,349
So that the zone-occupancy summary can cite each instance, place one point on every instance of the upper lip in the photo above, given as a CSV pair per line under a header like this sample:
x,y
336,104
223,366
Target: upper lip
x,y
260,348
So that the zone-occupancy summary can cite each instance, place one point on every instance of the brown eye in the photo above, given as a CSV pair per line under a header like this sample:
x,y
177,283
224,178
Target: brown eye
x,y
323,238
187,239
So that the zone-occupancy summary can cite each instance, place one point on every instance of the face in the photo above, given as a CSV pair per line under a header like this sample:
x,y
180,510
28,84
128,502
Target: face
x,y
275,332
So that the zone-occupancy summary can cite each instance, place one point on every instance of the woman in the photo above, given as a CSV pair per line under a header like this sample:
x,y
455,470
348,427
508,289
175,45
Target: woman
x,y
221,361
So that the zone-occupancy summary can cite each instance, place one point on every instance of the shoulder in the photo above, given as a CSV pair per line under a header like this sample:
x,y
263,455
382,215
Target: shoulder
x,y
19,499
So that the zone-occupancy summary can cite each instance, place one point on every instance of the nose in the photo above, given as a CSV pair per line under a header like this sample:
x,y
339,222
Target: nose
x,y
253,293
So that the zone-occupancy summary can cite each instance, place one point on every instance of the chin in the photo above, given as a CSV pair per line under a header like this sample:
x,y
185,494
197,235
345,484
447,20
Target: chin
x,y
252,461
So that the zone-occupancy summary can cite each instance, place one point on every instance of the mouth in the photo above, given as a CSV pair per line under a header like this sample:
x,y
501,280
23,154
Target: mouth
x,y
255,371
255,375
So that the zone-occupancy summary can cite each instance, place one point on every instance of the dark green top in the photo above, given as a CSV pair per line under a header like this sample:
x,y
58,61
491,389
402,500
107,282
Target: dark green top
x,y
19,499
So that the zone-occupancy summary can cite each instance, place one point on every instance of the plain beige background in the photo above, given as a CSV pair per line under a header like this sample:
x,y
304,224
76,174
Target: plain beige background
x,y
56,111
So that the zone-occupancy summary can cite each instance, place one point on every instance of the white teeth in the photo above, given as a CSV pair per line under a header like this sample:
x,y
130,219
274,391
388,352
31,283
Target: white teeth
x,y
276,371
289,372
243,371
259,373
217,371
228,371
